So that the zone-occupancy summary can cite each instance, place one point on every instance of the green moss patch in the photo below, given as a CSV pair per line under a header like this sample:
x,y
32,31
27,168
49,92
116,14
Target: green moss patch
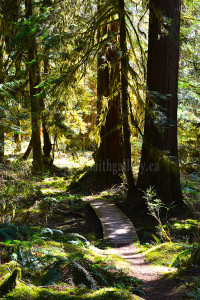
x,y
164,254
69,266
56,292
183,230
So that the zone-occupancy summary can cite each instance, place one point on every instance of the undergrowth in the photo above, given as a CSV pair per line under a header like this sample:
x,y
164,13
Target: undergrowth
x,y
38,235
71,264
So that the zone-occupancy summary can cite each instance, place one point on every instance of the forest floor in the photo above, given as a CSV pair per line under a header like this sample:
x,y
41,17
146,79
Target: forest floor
x,y
55,201
156,280
156,285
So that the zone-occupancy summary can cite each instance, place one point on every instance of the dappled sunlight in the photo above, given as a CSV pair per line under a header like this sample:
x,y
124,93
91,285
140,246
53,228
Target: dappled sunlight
x,y
81,159
99,149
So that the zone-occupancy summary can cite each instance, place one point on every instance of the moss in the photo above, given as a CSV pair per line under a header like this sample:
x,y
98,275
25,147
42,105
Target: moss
x,y
40,256
164,254
53,183
183,230
32,292
10,282
4,268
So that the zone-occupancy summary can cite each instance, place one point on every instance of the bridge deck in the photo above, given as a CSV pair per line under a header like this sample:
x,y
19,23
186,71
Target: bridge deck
x,y
118,230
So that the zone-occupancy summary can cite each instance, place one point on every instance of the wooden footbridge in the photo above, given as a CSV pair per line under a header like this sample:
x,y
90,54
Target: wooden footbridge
x,y
118,230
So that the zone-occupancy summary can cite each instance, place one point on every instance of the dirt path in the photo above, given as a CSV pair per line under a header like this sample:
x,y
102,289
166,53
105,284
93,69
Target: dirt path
x,y
156,286
119,231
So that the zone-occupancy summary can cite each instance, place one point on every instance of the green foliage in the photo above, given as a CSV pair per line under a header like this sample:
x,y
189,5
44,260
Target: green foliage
x,y
65,263
184,230
154,206
179,260
53,273
195,290
188,111
16,184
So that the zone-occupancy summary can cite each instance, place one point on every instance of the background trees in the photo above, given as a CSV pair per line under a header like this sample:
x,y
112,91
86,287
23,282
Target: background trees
x,y
72,66
76,76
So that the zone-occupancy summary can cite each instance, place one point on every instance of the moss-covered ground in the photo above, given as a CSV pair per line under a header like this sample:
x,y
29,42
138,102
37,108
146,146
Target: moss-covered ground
x,y
50,234
56,240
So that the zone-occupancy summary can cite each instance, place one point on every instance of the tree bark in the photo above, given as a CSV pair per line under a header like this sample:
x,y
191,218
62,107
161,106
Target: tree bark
x,y
159,166
109,160
17,136
2,137
125,100
28,150
35,108
47,147
2,142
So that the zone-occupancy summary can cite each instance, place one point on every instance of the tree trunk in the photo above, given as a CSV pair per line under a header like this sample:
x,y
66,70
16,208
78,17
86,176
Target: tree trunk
x,y
125,100
47,142
109,160
159,166
17,138
46,139
35,109
2,137
9,13
17,135
1,144
28,150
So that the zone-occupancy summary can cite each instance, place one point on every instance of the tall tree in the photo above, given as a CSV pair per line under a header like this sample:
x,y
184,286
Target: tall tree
x,y
159,166
1,108
9,14
125,99
109,158
46,138
33,82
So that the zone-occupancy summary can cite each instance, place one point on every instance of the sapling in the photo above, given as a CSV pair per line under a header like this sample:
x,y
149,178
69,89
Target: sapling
x,y
154,206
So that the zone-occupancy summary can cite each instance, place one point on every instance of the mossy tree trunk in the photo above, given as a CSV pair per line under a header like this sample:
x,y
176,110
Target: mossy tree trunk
x,y
2,79
35,107
125,100
159,166
1,110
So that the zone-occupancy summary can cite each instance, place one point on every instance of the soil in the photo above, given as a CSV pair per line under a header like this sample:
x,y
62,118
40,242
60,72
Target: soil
x,y
155,285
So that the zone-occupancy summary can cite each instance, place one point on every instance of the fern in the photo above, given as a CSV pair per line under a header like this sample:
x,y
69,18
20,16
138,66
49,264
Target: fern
x,y
83,273
53,274
177,261
76,239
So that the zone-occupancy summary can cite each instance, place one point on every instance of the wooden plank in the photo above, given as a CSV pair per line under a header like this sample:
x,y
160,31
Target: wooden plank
x,y
117,227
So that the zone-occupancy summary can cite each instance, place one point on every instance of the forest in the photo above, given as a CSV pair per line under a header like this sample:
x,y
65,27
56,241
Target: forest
x,y
99,149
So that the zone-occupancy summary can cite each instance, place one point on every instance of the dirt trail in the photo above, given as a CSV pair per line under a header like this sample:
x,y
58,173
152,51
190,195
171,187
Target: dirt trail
x,y
156,286
118,230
